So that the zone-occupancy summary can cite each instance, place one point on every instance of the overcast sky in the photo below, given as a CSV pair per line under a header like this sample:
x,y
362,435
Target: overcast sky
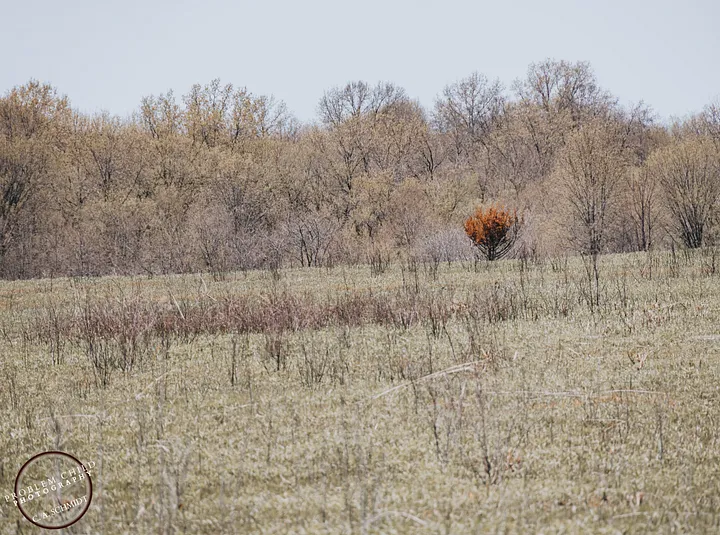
x,y
108,55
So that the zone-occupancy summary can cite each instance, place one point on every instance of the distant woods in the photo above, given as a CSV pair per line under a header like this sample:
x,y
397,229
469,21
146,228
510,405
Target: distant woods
x,y
222,179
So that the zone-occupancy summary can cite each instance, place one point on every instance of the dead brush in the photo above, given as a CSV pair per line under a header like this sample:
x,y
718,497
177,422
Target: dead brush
x,y
495,304
438,312
709,261
483,343
276,352
313,363
132,321
560,301
378,262
50,328
321,361
114,336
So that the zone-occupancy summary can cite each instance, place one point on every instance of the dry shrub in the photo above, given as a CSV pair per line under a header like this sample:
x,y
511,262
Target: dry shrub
x,y
493,231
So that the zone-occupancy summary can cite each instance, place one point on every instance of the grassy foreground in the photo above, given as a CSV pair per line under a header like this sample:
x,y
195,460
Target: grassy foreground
x,y
427,399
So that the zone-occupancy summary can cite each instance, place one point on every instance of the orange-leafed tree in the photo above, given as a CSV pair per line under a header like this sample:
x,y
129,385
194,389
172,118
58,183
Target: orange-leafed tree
x,y
493,231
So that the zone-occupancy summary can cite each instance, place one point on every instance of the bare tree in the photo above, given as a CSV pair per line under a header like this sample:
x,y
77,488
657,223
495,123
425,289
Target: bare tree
x,y
206,112
357,99
468,111
591,169
689,172
710,121
561,87
638,137
643,205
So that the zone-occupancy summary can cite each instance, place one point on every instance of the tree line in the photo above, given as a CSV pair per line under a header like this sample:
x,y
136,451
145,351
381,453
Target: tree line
x,y
222,179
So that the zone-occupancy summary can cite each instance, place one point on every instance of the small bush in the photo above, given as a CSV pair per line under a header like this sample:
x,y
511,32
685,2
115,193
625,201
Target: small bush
x,y
493,231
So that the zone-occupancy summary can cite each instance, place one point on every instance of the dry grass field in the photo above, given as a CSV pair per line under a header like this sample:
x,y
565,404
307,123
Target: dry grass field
x,y
430,398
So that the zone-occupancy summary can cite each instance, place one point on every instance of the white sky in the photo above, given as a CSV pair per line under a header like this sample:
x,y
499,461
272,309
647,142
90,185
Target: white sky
x,y
109,54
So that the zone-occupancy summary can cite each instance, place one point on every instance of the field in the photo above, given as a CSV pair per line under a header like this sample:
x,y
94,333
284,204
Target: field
x,y
428,398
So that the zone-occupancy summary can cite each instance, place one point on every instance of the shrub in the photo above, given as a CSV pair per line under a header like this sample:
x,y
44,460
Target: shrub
x,y
493,231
